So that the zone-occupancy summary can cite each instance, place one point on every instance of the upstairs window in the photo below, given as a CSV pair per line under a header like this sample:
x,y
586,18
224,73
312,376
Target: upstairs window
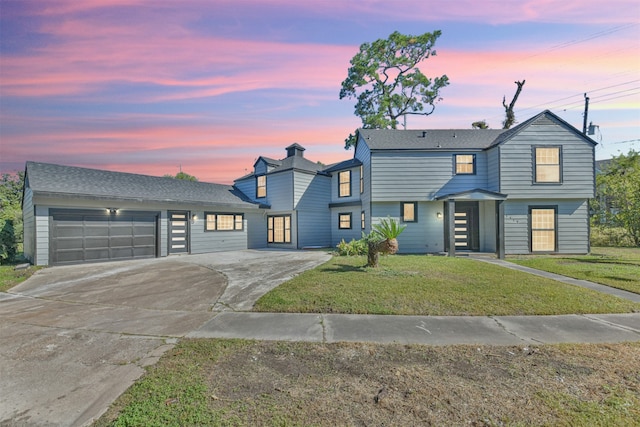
x,y
344,184
261,186
361,179
465,164
547,165
408,212
223,222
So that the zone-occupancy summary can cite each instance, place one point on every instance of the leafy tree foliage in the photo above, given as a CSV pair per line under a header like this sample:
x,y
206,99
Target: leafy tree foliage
x,y
182,175
10,215
617,200
387,83
480,124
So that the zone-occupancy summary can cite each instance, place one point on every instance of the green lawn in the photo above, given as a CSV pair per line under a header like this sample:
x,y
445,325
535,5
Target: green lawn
x,y
432,285
616,267
9,277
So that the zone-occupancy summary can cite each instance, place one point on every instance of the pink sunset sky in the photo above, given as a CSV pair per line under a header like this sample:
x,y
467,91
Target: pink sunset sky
x,y
151,86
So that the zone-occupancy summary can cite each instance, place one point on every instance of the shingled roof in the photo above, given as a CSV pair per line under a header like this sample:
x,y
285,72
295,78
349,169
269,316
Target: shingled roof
x,y
47,179
429,139
452,139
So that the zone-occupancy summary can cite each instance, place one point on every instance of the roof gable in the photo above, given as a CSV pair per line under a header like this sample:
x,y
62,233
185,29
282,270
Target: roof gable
x,y
545,115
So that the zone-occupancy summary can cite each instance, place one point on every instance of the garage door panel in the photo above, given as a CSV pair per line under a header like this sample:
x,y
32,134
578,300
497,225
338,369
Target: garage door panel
x,y
79,236
116,242
95,254
68,256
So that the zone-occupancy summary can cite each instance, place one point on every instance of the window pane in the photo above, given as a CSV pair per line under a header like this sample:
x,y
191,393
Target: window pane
x,y
279,229
344,221
547,173
224,222
239,222
210,224
361,180
464,164
261,186
543,230
344,189
362,223
408,212
547,164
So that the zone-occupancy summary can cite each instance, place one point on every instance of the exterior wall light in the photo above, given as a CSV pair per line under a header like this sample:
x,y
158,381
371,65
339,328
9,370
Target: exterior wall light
x,y
439,215
112,210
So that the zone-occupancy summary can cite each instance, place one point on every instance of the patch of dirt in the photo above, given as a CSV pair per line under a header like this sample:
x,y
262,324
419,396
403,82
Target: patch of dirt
x,y
366,384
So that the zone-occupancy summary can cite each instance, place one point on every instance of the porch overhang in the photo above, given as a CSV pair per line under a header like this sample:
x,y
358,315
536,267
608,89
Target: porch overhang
x,y
475,194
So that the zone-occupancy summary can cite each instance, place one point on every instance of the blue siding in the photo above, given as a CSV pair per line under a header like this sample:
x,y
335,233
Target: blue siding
x,y
338,234
280,191
29,226
516,162
311,198
364,155
572,226
202,241
421,176
493,169
248,187
424,236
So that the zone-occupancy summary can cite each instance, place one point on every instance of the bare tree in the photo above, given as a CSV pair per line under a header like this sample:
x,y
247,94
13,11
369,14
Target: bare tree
x,y
510,117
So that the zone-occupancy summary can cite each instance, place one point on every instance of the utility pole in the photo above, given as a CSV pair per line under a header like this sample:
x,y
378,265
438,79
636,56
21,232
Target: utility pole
x,y
586,112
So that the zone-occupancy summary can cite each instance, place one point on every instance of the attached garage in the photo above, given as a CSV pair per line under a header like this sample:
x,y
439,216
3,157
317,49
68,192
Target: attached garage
x,y
99,235
77,215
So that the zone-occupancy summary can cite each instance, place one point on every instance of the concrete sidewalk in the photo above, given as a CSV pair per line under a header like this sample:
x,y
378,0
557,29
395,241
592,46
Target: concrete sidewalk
x,y
430,330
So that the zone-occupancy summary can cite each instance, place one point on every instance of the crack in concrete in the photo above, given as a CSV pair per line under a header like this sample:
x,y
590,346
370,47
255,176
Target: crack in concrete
x,y
616,325
513,334
324,329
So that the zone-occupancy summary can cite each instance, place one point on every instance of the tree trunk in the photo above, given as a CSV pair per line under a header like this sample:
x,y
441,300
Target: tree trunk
x,y
510,117
373,256
388,246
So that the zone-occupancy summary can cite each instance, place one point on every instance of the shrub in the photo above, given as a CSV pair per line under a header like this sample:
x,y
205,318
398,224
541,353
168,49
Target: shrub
x,y
354,247
610,236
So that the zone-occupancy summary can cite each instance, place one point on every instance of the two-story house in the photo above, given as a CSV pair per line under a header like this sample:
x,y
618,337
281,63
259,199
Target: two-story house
x,y
517,191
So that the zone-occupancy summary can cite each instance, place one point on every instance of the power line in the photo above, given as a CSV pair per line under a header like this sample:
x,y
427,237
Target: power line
x,y
580,101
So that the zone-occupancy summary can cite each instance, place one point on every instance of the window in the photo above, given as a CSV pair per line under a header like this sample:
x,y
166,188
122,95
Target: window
x,y
223,222
362,222
344,184
408,212
261,186
465,164
547,164
543,229
361,179
279,229
344,221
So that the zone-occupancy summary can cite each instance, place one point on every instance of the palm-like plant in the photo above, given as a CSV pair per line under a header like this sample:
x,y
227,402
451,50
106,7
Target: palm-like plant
x,y
383,239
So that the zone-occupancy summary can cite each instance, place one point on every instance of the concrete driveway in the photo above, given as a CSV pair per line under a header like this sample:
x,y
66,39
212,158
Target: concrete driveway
x,y
73,338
